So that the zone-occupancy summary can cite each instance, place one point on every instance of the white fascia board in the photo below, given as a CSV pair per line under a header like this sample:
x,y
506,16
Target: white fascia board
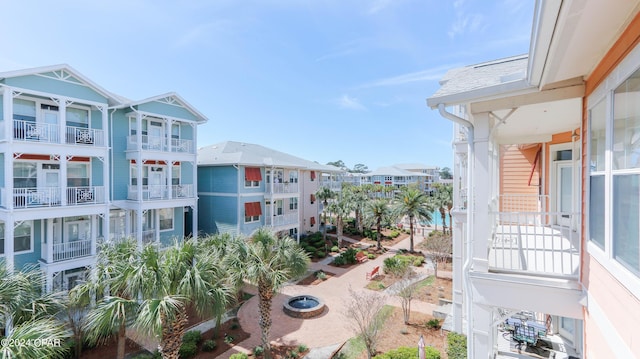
x,y
485,93
544,24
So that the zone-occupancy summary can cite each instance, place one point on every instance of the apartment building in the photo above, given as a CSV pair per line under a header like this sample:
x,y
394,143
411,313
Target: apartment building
x,y
81,165
546,184
243,186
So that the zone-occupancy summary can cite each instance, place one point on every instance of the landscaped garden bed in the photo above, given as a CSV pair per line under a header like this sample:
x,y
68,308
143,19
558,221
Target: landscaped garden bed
x,y
315,278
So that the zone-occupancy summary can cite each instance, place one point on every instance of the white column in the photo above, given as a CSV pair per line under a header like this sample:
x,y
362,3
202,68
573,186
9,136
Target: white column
x,y
139,214
8,243
483,189
105,124
481,337
50,238
62,120
7,105
106,228
169,179
63,179
94,234
139,158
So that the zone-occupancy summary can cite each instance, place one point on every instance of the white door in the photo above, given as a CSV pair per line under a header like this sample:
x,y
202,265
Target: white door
x,y
564,192
156,182
51,193
155,136
567,328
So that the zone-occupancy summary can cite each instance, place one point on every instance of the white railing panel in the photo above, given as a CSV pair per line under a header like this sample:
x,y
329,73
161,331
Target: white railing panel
x,y
281,220
85,136
282,188
182,191
71,250
184,146
85,195
36,197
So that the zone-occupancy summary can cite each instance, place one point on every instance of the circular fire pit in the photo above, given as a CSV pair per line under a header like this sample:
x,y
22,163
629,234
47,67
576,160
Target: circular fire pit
x,y
304,306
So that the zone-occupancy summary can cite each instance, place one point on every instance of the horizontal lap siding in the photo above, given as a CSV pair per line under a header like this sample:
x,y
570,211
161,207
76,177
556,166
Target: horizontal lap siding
x,y
515,169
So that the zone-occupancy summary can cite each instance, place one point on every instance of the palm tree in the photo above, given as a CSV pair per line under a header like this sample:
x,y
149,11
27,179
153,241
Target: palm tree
x,y
268,262
152,290
341,208
324,194
443,201
413,203
358,199
28,314
376,211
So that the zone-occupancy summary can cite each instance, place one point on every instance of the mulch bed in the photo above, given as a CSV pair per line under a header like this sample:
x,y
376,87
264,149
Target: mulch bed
x,y
226,330
109,350
312,279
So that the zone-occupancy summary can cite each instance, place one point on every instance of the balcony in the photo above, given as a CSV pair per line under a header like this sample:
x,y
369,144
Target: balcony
x,y
281,220
332,185
280,188
158,192
158,143
527,239
38,197
30,131
36,132
71,250
85,136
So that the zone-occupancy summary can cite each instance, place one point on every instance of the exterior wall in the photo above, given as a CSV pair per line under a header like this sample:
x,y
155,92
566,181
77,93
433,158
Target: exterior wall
x,y
119,163
51,85
178,227
31,258
248,228
308,209
520,174
612,307
167,110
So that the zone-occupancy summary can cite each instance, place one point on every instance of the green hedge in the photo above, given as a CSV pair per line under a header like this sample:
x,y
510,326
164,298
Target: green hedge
x,y
409,353
456,346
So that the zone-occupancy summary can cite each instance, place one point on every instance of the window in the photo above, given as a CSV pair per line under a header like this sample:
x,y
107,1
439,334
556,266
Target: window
x,y
22,240
252,177
78,174
175,174
166,219
24,110
293,176
614,171
252,212
293,232
25,174
293,204
77,117
313,176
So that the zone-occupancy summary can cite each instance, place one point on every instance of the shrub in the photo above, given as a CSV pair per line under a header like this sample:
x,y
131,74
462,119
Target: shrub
x,y
395,266
409,353
433,324
302,348
258,350
350,256
193,336
371,256
321,275
234,326
335,249
228,339
188,350
339,260
321,254
147,356
456,346
239,356
293,354
209,345
394,234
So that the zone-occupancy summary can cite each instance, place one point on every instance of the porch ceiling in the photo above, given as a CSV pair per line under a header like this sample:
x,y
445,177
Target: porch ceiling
x,y
582,32
537,122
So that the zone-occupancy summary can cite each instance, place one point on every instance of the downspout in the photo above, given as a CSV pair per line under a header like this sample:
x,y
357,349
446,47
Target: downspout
x,y
470,210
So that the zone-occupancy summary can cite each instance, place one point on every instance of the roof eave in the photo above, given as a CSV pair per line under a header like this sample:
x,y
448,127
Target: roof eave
x,y
545,17
481,94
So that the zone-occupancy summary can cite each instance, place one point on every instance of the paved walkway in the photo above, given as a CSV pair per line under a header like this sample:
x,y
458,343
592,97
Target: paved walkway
x,y
330,329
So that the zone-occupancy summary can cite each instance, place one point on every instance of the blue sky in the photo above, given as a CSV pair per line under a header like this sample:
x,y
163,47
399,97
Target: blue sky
x,y
324,80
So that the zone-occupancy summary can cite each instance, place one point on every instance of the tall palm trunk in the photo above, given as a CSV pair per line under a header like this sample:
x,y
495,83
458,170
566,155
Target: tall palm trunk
x,y
444,216
379,237
324,230
122,339
172,333
411,234
265,294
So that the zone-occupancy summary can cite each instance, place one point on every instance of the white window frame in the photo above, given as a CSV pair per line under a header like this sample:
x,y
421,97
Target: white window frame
x,y
251,219
30,250
293,203
171,211
604,256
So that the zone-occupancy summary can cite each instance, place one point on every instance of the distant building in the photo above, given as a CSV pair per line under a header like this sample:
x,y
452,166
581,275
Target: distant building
x,y
243,186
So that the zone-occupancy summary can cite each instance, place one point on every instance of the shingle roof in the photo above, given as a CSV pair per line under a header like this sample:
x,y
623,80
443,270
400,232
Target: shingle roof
x,y
241,153
477,77
393,171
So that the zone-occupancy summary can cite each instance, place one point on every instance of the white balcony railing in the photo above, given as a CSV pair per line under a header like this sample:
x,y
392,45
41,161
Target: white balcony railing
x,y
534,242
158,192
281,220
85,136
71,250
333,185
282,188
148,236
52,196
34,131
158,143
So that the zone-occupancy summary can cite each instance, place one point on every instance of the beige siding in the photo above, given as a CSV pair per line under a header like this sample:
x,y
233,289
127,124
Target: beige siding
x,y
520,175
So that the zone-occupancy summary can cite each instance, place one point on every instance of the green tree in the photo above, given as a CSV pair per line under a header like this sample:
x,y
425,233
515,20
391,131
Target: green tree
x,y
267,262
324,194
377,211
341,208
339,163
358,199
445,173
27,313
413,203
443,201
359,168
153,287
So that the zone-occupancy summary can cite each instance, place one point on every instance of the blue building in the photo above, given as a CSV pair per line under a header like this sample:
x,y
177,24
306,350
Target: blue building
x,y
80,165
243,186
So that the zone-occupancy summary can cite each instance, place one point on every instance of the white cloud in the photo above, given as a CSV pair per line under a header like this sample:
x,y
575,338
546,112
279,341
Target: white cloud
x,y
433,74
350,103
379,5
465,21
